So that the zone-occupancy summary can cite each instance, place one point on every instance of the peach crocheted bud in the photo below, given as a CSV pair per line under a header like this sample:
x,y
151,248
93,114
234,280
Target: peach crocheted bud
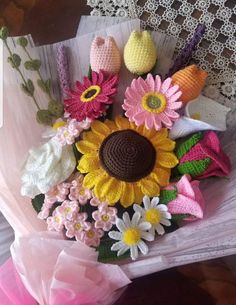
x,y
105,55
140,53
191,81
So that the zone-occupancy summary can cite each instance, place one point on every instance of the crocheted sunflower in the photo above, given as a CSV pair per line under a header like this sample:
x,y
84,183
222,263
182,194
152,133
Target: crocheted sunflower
x,y
123,162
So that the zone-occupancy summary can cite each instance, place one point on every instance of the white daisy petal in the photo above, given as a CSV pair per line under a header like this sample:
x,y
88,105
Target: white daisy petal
x,y
143,247
144,226
120,225
146,202
122,250
117,246
162,207
147,236
138,208
165,222
115,235
155,201
160,230
135,219
166,215
152,231
126,219
134,252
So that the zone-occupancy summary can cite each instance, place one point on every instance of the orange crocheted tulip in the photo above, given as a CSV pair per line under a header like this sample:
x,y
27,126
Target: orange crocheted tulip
x,y
191,81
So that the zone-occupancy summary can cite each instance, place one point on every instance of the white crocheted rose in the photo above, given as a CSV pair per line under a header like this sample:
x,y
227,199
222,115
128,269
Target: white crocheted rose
x,y
45,167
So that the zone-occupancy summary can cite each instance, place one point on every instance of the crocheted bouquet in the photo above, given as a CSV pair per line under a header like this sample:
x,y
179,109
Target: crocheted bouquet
x,y
117,183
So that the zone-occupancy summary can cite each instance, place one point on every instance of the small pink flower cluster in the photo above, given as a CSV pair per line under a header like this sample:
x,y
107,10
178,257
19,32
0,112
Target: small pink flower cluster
x,y
66,134
68,217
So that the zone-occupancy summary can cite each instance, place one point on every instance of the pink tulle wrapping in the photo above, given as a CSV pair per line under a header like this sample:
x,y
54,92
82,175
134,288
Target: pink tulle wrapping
x,y
59,272
12,291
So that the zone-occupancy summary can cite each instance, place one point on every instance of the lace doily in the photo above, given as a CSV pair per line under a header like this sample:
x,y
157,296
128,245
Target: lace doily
x,y
179,18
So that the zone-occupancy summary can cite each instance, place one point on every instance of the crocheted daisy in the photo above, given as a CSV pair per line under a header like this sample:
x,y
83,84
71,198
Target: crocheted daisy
x,y
123,162
131,235
154,213
90,98
152,102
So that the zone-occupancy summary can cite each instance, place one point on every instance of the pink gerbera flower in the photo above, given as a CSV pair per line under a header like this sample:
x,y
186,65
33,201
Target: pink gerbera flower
x,y
90,98
152,102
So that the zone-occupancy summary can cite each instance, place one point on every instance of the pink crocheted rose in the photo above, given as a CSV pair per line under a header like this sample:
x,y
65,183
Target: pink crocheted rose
x,y
152,102
90,98
201,156
189,199
105,55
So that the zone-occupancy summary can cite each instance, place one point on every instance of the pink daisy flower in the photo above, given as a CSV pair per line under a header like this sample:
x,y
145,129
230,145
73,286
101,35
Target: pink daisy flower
x,y
90,98
56,222
77,226
91,236
68,209
104,217
78,192
152,102
57,193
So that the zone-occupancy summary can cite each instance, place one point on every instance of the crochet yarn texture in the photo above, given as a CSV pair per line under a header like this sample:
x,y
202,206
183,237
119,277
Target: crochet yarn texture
x,y
123,155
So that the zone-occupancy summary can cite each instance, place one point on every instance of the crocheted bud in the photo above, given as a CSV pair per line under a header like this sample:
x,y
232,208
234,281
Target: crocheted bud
x,y
191,81
140,53
201,156
105,55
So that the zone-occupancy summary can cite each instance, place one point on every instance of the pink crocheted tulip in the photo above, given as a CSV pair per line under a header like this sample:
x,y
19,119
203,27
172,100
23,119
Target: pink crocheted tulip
x,y
105,55
189,199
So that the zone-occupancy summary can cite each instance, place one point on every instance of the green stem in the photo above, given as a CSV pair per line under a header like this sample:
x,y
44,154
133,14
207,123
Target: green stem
x,y
38,72
22,76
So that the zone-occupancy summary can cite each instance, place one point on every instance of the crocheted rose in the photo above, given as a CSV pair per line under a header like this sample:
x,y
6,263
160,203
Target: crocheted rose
x,y
47,166
90,98
152,102
105,55
184,197
201,156
140,54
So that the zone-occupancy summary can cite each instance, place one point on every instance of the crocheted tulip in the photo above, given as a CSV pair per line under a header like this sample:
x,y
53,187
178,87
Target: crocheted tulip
x,y
140,53
105,55
191,81
201,156
184,198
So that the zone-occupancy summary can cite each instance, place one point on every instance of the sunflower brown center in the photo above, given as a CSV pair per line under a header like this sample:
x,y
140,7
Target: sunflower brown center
x,y
127,156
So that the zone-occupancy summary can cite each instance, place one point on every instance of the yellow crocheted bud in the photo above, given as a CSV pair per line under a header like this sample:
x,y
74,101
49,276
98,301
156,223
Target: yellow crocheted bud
x,y
140,53
191,81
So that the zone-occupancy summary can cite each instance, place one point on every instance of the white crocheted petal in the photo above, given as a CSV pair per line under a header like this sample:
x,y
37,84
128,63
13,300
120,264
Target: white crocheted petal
x,y
117,246
147,236
134,252
115,235
122,250
165,222
135,218
120,225
160,230
144,226
155,201
146,202
143,247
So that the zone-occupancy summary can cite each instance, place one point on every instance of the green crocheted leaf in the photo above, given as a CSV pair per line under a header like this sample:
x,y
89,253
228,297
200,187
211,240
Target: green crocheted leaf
x,y
167,195
106,255
185,147
194,168
178,217
37,202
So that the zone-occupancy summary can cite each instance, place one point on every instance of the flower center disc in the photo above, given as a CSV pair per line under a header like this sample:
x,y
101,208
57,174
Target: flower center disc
x,y
154,102
90,94
127,156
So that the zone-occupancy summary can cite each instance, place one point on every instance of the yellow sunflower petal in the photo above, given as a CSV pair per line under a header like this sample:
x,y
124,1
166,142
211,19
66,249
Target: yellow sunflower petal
x,y
122,123
88,163
101,186
165,144
86,147
167,159
111,125
159,135
100,128
161,175
138,194
93,137
149,187
114,191
127,197
93,178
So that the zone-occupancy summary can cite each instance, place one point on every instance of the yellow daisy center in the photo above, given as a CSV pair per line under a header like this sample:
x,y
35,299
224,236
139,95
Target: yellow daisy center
x,y
154,102
59,124
131,236
105,217
57,219
77,226
153,216
67,210
90,93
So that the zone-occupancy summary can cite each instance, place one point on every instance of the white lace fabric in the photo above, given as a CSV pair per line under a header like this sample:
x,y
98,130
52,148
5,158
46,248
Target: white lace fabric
x,y
179,18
